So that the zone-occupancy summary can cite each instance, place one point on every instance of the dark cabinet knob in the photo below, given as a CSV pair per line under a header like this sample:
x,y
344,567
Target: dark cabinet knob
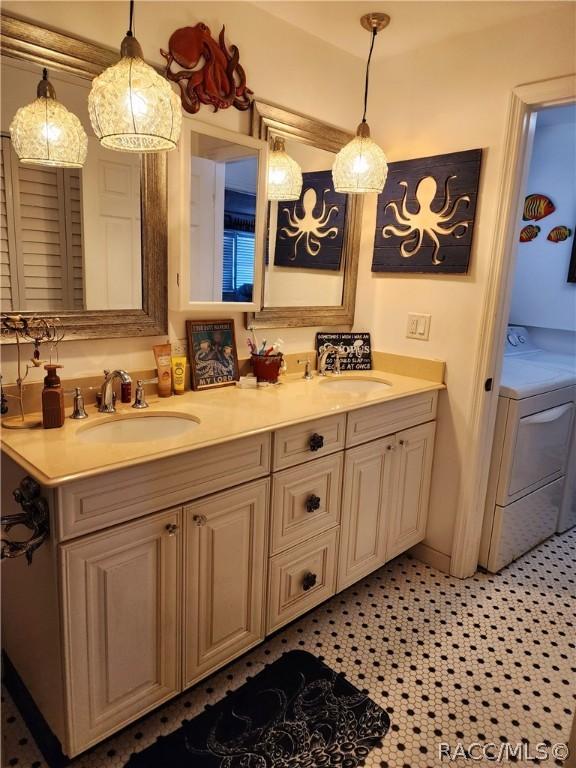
x,y
316,442
312,503
309,581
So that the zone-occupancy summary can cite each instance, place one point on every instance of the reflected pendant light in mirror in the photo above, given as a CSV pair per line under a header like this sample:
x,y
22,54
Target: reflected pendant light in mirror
x,y
46,133
284,174
132,108
361,165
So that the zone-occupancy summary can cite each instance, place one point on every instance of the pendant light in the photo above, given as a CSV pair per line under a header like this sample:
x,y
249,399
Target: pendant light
x,y
46,133
284,174
361,165
132,108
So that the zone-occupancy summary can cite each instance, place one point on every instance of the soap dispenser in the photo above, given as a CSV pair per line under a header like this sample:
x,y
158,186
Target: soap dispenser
x,y
52,399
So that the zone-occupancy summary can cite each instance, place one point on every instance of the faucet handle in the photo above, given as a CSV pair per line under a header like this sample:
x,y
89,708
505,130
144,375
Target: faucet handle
x,y
307,368
139,396
78,411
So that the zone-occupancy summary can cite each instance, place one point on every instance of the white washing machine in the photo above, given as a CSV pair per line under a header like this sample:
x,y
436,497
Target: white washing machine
x,y
533,437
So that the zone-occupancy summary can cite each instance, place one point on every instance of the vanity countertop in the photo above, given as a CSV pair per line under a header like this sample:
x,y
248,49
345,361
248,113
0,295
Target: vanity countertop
x,y
58,456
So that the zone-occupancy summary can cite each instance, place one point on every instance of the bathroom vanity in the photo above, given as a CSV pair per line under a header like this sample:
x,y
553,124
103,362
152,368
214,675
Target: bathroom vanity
x,y
170,557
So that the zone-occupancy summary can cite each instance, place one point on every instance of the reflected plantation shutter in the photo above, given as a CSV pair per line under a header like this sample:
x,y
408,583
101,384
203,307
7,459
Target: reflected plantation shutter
x,y
8,275
73,208
46,272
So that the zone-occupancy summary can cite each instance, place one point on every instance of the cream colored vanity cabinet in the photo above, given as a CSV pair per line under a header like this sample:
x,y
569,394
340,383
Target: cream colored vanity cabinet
x,y
368,503
225,558
411,473
159,574
120,610
386,483
305,520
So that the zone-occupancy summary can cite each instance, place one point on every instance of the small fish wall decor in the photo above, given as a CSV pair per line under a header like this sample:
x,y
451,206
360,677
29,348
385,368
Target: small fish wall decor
x,y
537,207
310,231
528,233
558,234
425,215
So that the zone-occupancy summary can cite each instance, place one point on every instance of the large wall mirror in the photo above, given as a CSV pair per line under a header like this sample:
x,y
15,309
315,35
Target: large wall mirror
x,y
312,244
88,245
219,178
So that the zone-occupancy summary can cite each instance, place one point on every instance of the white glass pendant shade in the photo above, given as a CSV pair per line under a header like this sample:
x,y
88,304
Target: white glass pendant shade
x,y
360,166
132,108
284,174
46,133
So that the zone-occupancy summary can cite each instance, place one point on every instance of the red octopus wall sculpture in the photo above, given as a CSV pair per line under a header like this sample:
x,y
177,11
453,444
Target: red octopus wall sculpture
x,y
211,73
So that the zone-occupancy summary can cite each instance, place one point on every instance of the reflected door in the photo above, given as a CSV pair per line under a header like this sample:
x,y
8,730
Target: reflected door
x,y
111,191
206,211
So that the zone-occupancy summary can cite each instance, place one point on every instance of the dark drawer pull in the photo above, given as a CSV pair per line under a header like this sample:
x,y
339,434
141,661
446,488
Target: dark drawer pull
x,y
309,581
316,442
312,503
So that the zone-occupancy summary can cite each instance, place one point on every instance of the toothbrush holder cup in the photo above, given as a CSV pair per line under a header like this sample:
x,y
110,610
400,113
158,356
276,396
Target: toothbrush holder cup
x,y
267,367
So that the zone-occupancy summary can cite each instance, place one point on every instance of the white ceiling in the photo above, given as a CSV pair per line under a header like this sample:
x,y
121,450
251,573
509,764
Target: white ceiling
x,y
413,23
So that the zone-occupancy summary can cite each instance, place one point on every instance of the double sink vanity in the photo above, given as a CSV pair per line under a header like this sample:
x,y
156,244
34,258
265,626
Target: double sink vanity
x,y
178,537
182,536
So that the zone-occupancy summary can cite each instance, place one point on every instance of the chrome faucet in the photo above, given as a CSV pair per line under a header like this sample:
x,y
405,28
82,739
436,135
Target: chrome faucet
x,y
330,349
107,392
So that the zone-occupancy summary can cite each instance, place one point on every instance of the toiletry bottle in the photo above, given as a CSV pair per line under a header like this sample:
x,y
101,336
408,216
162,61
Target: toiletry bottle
x,y
52,399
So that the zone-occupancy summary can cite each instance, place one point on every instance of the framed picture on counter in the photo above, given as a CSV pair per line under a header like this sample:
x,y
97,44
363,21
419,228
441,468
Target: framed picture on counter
x,y
356,350
212,352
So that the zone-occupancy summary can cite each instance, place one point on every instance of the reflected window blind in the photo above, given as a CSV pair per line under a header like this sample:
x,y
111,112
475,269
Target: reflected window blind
x,y
46,269
238,266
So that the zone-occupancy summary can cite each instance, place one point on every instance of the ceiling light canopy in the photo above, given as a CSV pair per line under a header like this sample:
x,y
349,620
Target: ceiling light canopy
x,y
284,174
46,133
132,108
361,165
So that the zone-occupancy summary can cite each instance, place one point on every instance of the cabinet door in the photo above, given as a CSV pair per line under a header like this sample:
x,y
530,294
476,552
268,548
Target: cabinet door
x,y
224,569
412,488
120,624
366,508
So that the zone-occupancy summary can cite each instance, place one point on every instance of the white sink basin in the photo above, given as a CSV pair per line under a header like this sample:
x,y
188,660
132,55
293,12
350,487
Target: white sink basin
x,y
138,428
356,386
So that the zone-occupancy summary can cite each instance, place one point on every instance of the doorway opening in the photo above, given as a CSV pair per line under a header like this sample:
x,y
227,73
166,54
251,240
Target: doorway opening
x,y
526,102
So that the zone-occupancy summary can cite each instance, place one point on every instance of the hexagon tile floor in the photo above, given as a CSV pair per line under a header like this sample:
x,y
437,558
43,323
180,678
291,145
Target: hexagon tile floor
x,y
488,660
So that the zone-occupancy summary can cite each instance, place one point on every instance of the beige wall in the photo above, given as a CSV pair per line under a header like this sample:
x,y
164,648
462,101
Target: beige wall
x,y
443,98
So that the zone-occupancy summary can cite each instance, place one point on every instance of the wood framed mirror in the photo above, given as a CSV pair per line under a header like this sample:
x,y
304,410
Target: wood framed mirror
x,y
300,290
142,310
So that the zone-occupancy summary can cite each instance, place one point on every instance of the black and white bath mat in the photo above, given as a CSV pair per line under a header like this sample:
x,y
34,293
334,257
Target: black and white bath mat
x,y
296,713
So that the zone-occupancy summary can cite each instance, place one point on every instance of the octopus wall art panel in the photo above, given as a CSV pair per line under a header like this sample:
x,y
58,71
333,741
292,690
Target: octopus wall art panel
x,y
425,216
210,72
309,232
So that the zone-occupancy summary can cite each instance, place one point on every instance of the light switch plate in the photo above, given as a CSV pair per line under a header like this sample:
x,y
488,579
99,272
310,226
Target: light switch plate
x,y
418,326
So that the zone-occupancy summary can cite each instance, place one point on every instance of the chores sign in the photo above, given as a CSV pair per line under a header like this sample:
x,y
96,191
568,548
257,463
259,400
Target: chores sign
x,y
356,347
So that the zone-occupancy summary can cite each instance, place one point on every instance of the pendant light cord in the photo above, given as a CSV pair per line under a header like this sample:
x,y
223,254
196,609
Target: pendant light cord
x,y
374,33
130,33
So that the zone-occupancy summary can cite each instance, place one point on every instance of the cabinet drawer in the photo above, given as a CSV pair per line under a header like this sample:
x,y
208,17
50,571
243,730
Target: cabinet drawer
x,y
128,493
305,501
294,445
385,418
301,578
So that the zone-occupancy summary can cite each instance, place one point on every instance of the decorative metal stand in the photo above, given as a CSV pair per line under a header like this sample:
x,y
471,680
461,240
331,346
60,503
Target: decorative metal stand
x,y
35,516
37,330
